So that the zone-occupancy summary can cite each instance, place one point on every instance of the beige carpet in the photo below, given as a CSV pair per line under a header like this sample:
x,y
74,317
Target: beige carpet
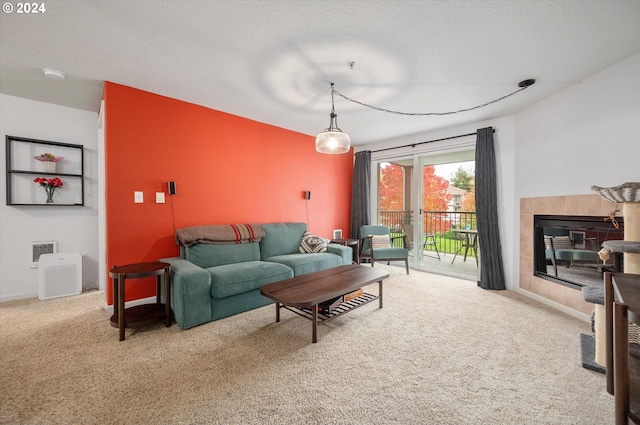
x,y
441,351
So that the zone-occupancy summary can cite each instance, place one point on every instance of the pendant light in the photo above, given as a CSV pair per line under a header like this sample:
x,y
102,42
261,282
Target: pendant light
x,y
332,140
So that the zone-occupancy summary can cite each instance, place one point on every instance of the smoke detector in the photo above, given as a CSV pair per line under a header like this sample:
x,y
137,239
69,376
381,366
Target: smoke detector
x,y
53,74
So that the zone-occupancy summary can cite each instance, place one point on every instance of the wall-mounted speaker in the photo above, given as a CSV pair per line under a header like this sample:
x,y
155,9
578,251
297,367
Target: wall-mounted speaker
x,y
307,194
172,188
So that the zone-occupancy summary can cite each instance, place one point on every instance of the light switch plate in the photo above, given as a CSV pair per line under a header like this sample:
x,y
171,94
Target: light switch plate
x,y
159,197
138,197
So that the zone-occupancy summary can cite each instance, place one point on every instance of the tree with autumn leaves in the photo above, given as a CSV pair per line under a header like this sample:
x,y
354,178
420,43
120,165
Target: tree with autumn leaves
x,y
468,203
391,187
436,197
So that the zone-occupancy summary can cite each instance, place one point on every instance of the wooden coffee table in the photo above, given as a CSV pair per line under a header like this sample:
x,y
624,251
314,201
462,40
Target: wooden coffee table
x,y
302,294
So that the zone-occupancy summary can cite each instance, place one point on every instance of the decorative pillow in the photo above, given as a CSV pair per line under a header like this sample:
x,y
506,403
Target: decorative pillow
x,y
561,242
547,241
380,241
312,244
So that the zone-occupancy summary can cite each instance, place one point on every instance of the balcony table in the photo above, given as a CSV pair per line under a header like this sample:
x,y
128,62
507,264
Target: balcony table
x,y
470,241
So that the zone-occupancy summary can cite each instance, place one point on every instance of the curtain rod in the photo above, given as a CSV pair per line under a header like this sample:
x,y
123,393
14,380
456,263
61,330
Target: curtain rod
x,y
413,145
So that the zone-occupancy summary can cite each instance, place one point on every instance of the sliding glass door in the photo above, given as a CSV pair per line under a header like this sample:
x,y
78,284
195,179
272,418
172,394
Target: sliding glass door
x,y
447,215
429,199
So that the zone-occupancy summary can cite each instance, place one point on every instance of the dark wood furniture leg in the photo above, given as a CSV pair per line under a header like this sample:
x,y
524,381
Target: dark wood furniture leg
x,y
356,252
116,298
621,365
158,289
380,293
167,297
121,283
314,324
608,314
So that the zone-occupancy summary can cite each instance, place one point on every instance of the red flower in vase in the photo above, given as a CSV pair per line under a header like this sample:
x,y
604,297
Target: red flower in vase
x,y
49,186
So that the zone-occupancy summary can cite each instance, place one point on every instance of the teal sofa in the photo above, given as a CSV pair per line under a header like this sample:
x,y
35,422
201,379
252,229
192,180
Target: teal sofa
x,y
210,281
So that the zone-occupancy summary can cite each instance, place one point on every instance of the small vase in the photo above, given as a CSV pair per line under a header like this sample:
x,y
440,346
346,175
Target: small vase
x,y
50,197
49,166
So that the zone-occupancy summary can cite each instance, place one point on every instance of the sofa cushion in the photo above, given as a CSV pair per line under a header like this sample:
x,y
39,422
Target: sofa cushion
x,y
311,244
210,255
281,239
232,279
307,263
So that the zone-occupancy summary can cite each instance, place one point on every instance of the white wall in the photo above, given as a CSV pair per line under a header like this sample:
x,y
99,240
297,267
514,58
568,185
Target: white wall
x,y
588,134
74,228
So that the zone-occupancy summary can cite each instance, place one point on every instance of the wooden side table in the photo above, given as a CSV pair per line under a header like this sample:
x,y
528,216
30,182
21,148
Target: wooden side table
x,y
146,314
353,243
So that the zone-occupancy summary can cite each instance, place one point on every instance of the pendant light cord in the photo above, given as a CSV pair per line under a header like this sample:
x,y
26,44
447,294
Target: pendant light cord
x,y
333,108
522,86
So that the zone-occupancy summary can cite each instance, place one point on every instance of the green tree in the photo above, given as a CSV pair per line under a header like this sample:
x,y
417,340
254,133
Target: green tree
x,y
462,179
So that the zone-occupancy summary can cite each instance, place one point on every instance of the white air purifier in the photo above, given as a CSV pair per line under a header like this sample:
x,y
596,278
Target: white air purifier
x,y
59,275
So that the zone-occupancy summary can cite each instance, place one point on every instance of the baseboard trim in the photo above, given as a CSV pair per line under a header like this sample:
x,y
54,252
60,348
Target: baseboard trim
x,y
15,297
563,308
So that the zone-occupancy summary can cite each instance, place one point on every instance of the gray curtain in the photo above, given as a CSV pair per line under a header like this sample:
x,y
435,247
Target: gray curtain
x,y
491,268
361,193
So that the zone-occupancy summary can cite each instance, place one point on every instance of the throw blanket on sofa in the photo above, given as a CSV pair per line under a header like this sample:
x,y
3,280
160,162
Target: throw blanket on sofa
x,y
220,234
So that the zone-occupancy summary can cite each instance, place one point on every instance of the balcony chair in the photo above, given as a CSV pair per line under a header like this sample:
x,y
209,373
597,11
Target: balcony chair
x,y
376,244
430,240
562,248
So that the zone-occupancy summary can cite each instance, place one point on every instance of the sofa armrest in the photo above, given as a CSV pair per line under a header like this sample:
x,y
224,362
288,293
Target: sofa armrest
x,y
191,287
344,252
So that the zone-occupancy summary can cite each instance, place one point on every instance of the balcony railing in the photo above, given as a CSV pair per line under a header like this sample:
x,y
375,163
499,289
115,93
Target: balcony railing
x,y
436,224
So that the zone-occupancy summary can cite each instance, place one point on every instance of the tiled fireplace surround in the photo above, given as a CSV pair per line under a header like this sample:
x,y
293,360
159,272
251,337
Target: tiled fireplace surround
x,y
588,205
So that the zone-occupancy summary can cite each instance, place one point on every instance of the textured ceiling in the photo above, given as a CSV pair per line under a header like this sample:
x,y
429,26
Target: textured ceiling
x,y
273,61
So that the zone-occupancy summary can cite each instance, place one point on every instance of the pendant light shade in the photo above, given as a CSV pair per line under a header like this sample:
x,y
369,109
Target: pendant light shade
x,y
332,140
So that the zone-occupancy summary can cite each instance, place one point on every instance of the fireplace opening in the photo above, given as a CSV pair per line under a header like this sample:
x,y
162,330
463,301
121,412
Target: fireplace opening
x,y
566,249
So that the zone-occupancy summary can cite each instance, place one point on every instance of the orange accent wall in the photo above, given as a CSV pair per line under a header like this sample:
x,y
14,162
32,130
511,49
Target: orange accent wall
x,y
227,169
